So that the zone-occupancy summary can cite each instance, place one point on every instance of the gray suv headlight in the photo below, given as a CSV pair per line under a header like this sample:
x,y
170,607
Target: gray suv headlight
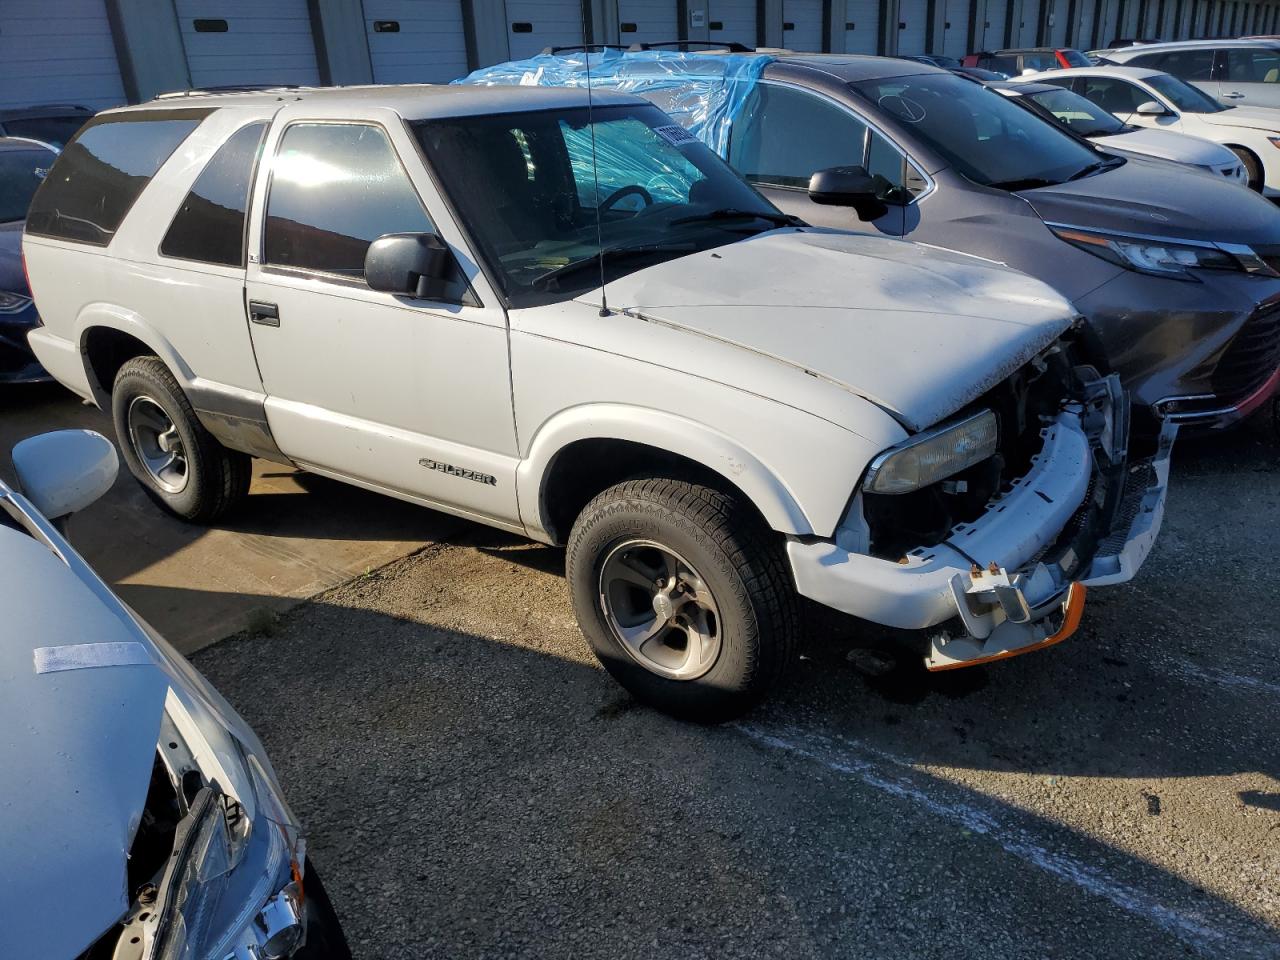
x,y
1162,258
934,455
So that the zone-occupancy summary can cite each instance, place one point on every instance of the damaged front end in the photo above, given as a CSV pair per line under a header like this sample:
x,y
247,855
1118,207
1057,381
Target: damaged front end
x,y
211,873
989,555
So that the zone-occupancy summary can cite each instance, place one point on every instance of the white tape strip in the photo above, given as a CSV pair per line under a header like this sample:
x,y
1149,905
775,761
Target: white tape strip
x,y
80,656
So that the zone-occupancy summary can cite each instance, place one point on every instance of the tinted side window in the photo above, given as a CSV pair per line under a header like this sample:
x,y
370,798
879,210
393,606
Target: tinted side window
x,y
1114,96
1253,66
1185,64
899,180
102,172
335,188
209,226
782,136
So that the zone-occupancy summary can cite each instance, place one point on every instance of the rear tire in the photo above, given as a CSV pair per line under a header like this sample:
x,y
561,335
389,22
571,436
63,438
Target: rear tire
x,y
1252,167
728,627
178,462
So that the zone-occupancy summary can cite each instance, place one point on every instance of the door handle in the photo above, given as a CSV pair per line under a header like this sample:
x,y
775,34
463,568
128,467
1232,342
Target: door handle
x,y
1234,95
266,314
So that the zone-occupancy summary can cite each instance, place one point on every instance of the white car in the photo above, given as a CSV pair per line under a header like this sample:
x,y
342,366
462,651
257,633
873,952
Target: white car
x,y
142,818
570,319
1159,101
1086,119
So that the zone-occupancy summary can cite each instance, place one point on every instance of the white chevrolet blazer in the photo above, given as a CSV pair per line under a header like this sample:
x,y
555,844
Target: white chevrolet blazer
x,y
571,320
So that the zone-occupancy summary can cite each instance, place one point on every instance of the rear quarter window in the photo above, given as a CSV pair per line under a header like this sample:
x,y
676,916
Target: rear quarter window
x,y
103,170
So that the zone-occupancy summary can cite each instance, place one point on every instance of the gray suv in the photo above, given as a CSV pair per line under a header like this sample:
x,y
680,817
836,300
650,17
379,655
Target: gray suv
x,y
1245,72
1185,299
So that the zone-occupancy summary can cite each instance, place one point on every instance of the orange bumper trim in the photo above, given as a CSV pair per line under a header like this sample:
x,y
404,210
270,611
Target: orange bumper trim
x,y
1073,611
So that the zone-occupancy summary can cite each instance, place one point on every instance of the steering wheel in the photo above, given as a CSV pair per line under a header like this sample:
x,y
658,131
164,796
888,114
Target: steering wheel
x,y
623,192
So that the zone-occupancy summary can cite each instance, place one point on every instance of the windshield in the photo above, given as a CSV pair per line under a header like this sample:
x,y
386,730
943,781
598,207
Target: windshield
x,y
525,185
52,130
984,135
21,171
1184,96
1074,58
1080,116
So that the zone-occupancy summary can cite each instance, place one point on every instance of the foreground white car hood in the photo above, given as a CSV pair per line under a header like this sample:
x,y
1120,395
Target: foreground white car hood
x,y
1255,118
76,751
916,330
1169,145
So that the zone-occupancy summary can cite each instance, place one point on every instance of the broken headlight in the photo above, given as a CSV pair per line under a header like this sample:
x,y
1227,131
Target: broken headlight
x,y
934,455
232,883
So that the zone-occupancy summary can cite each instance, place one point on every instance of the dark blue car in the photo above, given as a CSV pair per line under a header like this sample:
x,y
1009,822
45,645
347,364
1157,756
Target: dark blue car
x,y
23,165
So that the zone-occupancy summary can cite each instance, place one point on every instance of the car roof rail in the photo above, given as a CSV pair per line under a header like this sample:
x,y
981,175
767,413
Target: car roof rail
x,y
731,45
227,88
584,47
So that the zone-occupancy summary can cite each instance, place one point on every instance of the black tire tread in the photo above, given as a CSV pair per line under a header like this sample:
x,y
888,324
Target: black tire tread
x,y
226,474
753,550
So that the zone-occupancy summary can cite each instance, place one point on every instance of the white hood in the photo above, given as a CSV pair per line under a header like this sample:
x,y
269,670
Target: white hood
x,y
1169,145
76,751
916,330
1255,118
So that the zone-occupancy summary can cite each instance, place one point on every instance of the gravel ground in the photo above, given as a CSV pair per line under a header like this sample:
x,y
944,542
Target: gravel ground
x,y
475,786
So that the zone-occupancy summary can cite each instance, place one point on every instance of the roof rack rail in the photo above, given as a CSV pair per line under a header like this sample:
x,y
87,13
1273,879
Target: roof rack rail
x,y
730,45
227,88
584,47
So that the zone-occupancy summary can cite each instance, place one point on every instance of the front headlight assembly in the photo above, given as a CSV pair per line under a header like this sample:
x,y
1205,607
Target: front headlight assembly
x,y
934,455
13,302
1174,259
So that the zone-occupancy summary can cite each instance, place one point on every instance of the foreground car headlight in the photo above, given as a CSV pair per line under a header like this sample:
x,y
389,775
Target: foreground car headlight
x,y
1161,258
231,882
934,455
13,302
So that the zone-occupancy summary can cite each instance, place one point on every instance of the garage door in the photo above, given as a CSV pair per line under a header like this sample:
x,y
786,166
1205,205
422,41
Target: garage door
x,y
534,25
231,42
861,26
955,28
648,21
1059,19
802,25
990,32
1025,21
67,58
733,21
913,27
415,41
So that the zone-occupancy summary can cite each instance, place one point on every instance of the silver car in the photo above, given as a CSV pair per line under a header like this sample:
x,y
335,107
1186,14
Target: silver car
x,y
142,819
1241,72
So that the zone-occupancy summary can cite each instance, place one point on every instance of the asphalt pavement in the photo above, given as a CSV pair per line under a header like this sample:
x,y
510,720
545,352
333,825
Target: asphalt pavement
x,y
475,786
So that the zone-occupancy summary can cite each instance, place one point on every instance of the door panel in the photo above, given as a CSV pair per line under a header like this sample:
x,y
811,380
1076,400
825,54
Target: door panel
x,y
397,393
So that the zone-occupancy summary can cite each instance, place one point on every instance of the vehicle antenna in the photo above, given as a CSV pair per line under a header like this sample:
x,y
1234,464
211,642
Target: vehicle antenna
x,y
595,173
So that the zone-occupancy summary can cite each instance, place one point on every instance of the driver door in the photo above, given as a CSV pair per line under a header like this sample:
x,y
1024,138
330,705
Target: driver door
x,y
402,395
784,134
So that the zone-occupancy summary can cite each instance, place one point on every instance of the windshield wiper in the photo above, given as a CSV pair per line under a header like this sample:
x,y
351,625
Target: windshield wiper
x,y
733,213
1093,168
545,280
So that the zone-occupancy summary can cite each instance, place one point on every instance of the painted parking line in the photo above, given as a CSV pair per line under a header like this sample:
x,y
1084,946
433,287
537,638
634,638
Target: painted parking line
x,y
1020,836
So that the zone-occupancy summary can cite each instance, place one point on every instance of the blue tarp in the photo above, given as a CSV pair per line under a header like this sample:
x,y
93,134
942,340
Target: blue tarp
x,y
703,92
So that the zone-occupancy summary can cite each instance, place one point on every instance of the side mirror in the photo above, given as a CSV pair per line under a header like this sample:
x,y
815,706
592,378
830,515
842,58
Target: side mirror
x,y
409,264
848,187
65,471
1151,109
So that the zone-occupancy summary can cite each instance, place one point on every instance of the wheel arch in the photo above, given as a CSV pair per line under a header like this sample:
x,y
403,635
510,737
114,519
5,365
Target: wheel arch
x,y
109,337
586,449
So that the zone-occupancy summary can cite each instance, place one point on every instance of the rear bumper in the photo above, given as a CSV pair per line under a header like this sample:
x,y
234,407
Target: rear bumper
x,y
62,359
1003,583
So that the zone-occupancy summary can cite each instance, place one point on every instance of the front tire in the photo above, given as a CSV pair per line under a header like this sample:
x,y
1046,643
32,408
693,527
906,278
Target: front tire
x,y
684,597
178,462
1252,167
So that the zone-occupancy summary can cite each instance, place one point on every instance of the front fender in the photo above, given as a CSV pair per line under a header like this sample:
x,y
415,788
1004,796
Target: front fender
x,y
674,434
